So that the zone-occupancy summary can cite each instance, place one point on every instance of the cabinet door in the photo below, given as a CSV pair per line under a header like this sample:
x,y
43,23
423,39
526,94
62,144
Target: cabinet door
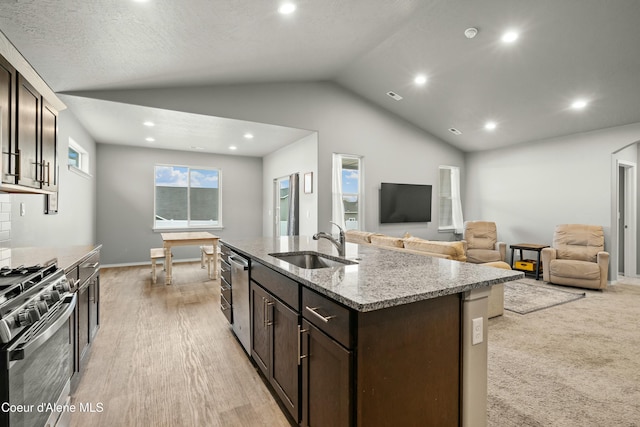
x,y
285,370
49,160
7,114
83,325
28,131
94,307
260,338
326,380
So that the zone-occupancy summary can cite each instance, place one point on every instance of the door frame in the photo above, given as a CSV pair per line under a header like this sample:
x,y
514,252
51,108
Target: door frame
x,y
630,215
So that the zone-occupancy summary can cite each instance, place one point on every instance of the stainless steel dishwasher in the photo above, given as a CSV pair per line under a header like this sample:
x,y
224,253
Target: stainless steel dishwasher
x,y
240,295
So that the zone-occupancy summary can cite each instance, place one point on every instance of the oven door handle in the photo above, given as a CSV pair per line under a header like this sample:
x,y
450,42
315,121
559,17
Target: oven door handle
x,y
25,349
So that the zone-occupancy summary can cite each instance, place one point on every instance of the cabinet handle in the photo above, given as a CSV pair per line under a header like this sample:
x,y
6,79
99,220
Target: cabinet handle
x,y
313,311
269,304
17,165
94,265
265,312
48,166
300,355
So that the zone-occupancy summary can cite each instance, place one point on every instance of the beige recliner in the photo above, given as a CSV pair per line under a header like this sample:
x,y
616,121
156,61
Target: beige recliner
x,y
481,239
577,257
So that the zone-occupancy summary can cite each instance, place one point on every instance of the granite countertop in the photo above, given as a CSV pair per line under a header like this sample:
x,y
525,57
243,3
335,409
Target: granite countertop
x,y
381,278
66,257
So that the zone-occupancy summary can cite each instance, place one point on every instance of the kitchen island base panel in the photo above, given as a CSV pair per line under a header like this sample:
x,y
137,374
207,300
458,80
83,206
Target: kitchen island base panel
x,y
475,304
408,364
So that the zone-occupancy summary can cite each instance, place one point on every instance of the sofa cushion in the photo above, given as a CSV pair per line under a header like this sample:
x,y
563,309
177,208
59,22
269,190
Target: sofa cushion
x,y
381,240
481,256
453,249
357,236
574,269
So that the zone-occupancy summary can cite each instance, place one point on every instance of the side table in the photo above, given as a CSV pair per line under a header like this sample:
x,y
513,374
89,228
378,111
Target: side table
x,y
528,247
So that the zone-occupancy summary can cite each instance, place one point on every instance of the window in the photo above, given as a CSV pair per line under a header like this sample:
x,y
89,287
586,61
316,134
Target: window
x,y
450,204
187,197
348,182
78,160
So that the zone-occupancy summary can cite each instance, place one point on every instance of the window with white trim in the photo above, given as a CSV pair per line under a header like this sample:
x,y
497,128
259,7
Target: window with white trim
x,y
450,203
186,197
348,194
78,158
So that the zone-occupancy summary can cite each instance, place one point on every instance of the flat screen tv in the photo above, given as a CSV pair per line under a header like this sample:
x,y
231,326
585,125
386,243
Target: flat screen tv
x,y
405,203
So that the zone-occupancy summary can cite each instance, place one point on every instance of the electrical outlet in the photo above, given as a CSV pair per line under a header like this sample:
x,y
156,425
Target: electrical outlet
x,y
477,331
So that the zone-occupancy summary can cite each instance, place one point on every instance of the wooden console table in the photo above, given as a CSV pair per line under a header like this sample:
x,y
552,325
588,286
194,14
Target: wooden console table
x,y
528,247
191,238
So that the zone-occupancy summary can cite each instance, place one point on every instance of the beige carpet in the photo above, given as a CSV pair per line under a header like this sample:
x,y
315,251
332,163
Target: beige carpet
x,y
575,364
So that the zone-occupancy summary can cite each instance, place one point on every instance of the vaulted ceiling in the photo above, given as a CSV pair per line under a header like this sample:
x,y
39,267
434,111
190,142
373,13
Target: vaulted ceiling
x,y
566,50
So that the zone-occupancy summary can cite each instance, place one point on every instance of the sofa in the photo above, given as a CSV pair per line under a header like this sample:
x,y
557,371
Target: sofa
x,y
455,251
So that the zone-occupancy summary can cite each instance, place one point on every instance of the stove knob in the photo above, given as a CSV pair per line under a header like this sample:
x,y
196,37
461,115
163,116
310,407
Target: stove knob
x,y
63,286
42,307
28,316
54,295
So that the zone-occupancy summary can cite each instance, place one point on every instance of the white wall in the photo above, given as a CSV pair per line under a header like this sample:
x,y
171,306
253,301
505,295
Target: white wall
x,y
300,157
125,199
530,188
393,149
75,222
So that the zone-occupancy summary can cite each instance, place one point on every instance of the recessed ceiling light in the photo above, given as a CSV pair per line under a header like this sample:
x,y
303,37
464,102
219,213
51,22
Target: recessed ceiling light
x,y
420,79
248,135
233,147
510,36
455,131
287,8
579,104
193,147
149,123
150,139
490,125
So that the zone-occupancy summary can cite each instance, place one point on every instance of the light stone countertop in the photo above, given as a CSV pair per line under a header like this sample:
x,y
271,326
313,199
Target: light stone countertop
x,y
382,278
66,257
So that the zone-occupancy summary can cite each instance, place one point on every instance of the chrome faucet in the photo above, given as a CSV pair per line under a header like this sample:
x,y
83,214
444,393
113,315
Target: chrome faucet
x,y
339,244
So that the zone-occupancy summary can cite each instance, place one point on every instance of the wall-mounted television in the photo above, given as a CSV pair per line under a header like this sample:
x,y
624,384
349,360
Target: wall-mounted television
x,y
405,203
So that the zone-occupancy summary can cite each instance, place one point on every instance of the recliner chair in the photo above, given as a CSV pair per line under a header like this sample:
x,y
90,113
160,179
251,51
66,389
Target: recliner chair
x,y
481,239
576,257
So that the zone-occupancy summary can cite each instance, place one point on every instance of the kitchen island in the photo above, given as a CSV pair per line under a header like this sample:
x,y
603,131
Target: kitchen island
x,y
384,340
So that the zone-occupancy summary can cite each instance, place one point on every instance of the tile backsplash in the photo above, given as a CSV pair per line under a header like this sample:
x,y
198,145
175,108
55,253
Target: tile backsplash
x,y
5,229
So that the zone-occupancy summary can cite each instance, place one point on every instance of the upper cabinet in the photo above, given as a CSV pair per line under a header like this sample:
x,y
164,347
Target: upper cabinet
x,y
7,125
29,135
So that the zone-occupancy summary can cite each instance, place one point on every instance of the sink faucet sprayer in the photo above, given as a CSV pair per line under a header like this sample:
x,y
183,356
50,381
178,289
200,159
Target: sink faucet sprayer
x,y
339,244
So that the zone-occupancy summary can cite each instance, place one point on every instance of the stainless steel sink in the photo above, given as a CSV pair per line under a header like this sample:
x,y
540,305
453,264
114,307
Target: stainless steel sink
x,y
312,260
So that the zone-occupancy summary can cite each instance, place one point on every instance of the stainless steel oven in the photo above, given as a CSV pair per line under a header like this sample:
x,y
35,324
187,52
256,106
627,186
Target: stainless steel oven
x,y
37,361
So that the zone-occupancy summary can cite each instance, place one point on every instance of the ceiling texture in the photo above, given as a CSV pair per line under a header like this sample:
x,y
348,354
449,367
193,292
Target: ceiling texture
x,y
566,50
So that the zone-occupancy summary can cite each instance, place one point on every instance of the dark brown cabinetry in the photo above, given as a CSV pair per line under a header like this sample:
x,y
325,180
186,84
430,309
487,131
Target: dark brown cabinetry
x,y
28,133
49,158
334,366
326,380
85,276
275,342
9,157
29,128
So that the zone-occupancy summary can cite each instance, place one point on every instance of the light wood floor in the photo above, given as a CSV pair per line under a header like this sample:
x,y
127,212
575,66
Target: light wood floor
x,y
166,356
